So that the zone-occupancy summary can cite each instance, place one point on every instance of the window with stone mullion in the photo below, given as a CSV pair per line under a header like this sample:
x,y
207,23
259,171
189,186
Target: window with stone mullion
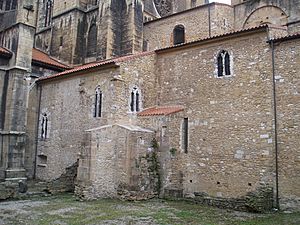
x,y
223,64
135,100
98,103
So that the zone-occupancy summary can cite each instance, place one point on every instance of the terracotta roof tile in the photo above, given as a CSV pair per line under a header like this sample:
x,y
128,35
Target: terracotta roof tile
x,y
211,38
5,52
41,57
96,64
161,111
285,38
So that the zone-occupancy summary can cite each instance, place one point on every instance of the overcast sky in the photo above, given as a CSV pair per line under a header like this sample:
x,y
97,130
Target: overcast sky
x,y
223,1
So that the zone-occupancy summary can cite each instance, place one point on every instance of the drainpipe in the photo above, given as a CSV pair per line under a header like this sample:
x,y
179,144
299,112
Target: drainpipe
x,y
209,22
37,130
275,123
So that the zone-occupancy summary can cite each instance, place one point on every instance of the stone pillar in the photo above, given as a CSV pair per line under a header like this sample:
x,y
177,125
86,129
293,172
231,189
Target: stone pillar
x,y
13,124
124,36
14,89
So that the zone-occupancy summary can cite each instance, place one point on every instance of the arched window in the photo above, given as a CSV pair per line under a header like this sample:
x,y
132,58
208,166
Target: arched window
x,y
223,61
44,126
8,4
135,100
48,12
98,103
14,4
178,35
92,41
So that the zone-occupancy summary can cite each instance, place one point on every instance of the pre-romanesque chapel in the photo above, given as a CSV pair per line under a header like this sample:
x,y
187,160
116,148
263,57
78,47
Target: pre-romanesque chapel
x,y
141,98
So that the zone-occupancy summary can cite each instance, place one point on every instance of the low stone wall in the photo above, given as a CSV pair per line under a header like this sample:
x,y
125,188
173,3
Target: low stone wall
x,y
8,190
66,182
259,201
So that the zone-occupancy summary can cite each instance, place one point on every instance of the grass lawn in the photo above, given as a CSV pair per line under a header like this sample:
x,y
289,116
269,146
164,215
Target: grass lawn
x,y
66,210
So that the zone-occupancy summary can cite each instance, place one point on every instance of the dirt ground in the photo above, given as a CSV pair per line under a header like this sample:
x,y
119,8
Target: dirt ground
x,y
66,210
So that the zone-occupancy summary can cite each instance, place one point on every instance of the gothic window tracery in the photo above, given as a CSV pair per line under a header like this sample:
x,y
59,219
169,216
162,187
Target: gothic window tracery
x,y
164,7
8,4
223,62
48,12
135,100
98,103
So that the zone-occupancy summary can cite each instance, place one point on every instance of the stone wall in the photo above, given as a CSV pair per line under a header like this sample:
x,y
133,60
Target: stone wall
x,y
64,36
159,33
221,19
118,161
294,28
287,61
201,22
230,118
262,11
43,40
69,105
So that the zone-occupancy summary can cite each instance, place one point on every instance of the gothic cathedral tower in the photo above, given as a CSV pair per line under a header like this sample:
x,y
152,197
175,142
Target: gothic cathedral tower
x,y
17,35
78,32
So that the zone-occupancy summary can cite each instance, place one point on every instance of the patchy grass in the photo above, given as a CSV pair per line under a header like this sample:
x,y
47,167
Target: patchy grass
x,y
66,210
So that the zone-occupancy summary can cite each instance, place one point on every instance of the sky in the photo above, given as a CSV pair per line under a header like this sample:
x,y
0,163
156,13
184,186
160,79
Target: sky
x,y
222,1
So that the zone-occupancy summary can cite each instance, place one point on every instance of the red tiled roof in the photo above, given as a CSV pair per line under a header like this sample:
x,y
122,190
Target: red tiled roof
x,y
161,111
262,27
5,52
285,38
43,58
96,64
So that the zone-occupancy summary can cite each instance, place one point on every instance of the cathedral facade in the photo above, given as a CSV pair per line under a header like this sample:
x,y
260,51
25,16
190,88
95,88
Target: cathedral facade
x,y
186,99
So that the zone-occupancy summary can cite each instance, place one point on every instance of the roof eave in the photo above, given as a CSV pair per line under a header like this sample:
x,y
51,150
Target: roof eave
x,y
63,76
286,38
48,66
213,39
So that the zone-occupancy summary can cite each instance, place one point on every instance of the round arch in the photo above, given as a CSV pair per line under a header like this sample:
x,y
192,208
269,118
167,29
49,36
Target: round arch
x,y
266,15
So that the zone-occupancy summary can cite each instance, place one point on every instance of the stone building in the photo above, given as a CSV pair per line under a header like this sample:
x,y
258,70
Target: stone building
x,y
185,99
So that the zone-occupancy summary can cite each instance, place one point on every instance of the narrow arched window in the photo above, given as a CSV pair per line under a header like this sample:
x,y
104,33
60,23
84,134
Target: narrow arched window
x,y
92,41
223,61
220,65
227,64
44,126
48,12
135,100
178,35
7,5
98,103
14,4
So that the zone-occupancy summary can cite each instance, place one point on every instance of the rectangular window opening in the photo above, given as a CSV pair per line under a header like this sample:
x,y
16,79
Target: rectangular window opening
x,y
185,135
61,41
